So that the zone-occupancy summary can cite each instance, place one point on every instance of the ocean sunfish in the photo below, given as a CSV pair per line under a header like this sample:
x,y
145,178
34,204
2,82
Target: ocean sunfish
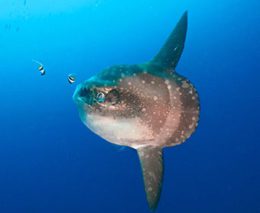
x,y
146,106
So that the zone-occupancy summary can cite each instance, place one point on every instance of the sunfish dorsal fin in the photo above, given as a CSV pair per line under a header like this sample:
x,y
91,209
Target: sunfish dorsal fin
x,y
168,57
152,167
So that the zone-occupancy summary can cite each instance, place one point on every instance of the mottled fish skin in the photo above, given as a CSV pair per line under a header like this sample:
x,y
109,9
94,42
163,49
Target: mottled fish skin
x,y
151,159
147,107
152,109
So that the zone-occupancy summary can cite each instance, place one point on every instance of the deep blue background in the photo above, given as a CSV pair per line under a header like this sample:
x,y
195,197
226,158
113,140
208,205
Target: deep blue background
x,y
49,162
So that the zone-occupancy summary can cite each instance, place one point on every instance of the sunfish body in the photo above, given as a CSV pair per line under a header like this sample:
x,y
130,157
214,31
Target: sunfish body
x,y
147,107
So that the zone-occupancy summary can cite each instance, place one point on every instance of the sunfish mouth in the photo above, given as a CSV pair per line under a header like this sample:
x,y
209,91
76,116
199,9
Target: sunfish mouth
x,y
76,97
82,95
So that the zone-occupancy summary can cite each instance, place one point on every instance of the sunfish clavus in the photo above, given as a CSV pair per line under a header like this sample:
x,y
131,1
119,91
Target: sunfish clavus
x,y
146,106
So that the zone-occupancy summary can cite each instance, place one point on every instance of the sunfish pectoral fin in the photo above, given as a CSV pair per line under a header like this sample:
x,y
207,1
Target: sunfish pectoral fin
x,y
152,168
168,57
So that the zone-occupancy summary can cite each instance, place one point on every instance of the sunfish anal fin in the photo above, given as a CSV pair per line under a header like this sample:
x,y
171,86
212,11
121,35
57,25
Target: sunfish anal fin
x,y
152,167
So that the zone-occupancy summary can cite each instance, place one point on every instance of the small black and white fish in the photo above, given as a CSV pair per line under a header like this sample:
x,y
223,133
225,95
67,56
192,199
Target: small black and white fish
x,y
42,70
40,67
72,78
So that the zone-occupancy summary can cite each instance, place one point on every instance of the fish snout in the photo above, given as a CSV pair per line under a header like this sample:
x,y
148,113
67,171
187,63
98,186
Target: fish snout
x,y
83,98
81,95
77,98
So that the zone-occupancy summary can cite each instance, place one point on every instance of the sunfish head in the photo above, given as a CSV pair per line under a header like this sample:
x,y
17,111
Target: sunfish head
x,y
117,104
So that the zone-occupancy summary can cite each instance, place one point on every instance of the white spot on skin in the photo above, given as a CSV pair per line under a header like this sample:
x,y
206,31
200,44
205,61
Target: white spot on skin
x,y
193,97
152,176
169,86
129,83
155,98
143,81
152,82
143,110
185,84
150,189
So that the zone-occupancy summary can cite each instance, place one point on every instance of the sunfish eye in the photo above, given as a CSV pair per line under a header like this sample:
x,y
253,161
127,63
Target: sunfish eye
x,y
100,97
113,96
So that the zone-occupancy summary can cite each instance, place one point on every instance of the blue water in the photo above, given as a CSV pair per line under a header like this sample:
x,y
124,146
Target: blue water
x,y
49,162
